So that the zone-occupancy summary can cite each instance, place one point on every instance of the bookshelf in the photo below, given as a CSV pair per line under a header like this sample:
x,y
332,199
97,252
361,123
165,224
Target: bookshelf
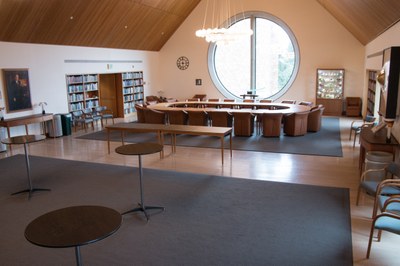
x,y
83,91
132,92
372,74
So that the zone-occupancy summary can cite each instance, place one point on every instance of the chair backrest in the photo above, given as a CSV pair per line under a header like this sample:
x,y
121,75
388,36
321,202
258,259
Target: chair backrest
x,y
243,123
221,118
77,114
289,101
177,117
306,103
296,124
394,169
154,116
265,101
314,119
201,97
197,118
213,100
140,113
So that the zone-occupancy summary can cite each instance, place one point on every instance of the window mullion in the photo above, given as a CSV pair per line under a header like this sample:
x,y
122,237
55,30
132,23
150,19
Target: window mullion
x,y
253,58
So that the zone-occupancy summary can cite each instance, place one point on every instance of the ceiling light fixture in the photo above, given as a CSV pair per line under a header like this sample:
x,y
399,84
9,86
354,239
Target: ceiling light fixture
x,y
218,17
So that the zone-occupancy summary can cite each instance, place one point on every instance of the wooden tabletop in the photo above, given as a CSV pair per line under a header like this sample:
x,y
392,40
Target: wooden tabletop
x,y
73,226
139,148
23,139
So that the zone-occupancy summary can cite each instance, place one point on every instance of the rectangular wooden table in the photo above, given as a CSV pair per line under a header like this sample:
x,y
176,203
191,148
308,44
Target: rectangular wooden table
x,y
160,129
25,121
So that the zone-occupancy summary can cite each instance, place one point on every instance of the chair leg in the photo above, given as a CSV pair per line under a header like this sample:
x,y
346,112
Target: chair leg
x,y
350,133
358,195
371,235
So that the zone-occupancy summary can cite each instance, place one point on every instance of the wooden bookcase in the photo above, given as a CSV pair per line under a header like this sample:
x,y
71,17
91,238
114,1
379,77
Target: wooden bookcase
x,y
371,94
131,92
83,91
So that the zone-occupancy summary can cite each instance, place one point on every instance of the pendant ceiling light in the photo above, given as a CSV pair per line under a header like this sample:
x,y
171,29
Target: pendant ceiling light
x,y
218,17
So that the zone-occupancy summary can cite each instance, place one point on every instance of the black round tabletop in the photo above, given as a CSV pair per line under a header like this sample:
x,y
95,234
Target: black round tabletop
x,y
73,226
23,139
139,148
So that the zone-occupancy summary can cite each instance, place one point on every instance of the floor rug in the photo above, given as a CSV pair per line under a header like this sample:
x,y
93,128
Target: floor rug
x,y
209,220
325,142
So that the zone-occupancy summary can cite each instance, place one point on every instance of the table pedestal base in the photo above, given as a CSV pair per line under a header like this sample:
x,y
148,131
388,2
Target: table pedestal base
x,y
31,191
144,210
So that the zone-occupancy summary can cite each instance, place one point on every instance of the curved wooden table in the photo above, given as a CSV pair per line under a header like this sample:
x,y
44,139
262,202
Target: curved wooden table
x,y
255,108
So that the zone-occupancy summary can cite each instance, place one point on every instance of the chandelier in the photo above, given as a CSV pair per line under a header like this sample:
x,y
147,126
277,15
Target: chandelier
x,y
218,16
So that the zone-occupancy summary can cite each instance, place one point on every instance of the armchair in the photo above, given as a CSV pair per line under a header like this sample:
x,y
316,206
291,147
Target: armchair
x,y
314,119
140,113
198,118
295,124
243,124
154,116
353,106
221,118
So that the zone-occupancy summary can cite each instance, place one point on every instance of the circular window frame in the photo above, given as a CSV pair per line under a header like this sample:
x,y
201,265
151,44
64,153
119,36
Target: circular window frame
x,y
256,14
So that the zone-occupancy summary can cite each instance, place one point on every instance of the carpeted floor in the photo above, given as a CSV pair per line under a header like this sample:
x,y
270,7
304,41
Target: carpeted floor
x,y
209,220
326,142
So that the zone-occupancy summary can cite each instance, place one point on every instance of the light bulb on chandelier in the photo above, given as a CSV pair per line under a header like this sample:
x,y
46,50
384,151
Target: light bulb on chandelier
x,y
221,16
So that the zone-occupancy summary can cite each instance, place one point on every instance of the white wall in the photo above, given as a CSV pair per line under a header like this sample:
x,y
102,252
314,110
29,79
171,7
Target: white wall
x,y
47,70
389,38
324,43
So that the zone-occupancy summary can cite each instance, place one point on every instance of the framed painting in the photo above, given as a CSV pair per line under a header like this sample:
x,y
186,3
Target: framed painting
x,y
17,90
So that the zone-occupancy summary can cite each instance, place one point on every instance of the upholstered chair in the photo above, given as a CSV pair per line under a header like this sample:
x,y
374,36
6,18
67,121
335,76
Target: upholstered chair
x,y
79,118
220,118
314,119
289,101
353,106
154,116
295,124
140,113
198,118
271,124
243,123
306,103
104,113
177,117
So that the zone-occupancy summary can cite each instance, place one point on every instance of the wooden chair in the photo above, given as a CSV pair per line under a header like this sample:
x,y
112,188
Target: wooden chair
x,y
197,118
357,125
289,101
353,106
314,119
271,124
243,124
177,117
90,113
220,118
295,124
154,116
140,113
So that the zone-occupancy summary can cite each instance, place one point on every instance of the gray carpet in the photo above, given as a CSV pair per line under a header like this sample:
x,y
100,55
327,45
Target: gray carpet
x,y
209,220
326,142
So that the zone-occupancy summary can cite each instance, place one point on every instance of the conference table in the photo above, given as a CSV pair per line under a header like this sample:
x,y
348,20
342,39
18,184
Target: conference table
x,y
255,108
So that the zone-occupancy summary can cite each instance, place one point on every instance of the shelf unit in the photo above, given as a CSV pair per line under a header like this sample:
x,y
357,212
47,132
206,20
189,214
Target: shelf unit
x,y
330,87
372,74
83,91
132,92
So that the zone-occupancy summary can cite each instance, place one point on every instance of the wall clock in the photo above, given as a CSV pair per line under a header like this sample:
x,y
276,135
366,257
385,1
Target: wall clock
x,y
182,63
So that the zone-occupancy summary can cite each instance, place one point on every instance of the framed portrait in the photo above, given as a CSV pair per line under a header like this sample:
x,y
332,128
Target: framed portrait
x,y
17,91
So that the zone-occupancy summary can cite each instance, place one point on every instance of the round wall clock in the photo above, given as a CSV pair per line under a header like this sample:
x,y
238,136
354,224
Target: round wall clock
x,y
182,63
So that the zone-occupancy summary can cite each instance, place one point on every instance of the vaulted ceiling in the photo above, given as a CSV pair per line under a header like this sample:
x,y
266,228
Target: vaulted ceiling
x,y
148,24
